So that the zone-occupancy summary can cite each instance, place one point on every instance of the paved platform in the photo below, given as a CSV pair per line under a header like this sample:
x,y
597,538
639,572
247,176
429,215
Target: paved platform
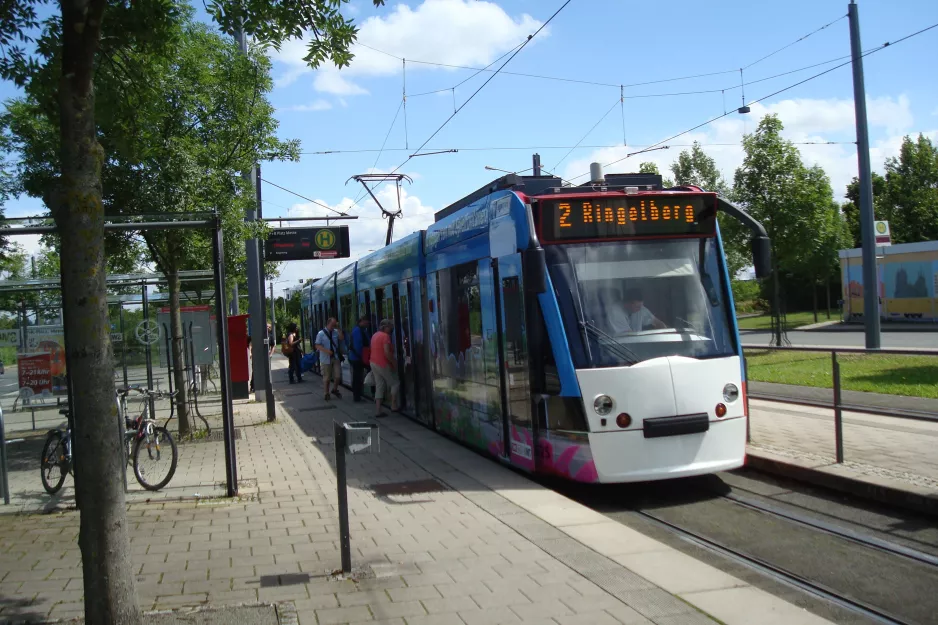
x,y
480,543
887,458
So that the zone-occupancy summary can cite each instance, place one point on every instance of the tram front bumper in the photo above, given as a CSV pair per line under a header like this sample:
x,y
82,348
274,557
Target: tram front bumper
x,y
628,456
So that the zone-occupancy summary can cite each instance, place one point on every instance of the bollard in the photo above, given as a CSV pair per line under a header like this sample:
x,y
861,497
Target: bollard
x,y
353,438
344,540
838,413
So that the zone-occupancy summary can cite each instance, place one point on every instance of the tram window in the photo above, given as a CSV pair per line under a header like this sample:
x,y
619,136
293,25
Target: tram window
x,y
544,353
379,307
348,313
366,309
460,315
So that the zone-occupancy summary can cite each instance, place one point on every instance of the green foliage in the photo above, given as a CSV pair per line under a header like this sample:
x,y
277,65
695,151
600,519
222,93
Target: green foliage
x,y
851,208
747,296
911,196
695,167
793,202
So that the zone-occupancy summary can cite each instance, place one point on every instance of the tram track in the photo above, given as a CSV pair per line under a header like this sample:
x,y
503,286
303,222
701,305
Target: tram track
x,y
778,573
826,555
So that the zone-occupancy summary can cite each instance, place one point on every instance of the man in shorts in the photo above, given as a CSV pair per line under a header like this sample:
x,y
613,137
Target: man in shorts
x,y
384,366
329,346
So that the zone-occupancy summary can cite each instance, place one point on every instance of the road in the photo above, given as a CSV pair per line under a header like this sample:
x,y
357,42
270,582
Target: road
x,y
844,338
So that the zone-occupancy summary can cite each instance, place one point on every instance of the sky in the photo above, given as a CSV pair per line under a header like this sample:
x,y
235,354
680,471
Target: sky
x,y
612,42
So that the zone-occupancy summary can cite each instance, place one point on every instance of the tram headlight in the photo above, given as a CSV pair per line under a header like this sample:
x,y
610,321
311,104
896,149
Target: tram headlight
x,y
730,392
603,405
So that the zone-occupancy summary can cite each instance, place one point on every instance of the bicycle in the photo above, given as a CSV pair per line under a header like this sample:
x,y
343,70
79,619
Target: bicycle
x,y
144,440
145,434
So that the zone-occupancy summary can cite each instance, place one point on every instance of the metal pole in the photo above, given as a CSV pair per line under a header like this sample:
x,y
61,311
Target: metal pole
x,y
867,236
271,408
149,352
344,539
255,286
3,462
838,413
231,461
123,346
273,312
122,437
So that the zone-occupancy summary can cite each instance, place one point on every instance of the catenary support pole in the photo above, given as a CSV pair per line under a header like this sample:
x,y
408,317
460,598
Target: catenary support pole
x,y
149,351
263,359
255,285
867,236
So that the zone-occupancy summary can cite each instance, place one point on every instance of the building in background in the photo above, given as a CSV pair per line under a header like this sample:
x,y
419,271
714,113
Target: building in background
x,y
907,281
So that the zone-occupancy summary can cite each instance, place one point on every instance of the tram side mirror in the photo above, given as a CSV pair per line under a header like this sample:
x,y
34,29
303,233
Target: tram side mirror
x,y
762,256
535,271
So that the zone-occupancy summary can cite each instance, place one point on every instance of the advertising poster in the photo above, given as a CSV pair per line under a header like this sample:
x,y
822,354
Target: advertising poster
x,y
50,340
35,372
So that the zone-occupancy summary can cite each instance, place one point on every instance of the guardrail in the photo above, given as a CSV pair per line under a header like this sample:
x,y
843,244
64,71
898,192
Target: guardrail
x,y
838,405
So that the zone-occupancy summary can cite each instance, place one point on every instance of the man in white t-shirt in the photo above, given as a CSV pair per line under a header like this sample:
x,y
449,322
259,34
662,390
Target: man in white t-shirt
x,y
633,316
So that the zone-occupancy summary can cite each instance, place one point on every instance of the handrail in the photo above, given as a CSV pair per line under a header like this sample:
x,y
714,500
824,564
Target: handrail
x,y
838,405
903,351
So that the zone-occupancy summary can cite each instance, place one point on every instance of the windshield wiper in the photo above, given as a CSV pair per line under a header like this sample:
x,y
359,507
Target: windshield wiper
x,y
615,346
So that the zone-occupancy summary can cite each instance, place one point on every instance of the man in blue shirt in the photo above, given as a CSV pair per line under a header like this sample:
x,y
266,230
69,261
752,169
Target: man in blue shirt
x,y
358,356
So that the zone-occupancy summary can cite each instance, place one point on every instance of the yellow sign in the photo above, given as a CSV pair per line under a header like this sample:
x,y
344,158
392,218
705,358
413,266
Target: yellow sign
x,y
325,239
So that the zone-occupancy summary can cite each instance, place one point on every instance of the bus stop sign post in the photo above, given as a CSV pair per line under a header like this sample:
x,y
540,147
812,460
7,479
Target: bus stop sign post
x,y
352,438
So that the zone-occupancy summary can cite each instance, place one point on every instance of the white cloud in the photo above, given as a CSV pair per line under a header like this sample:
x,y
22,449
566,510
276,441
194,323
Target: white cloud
x,y
367,233
330,81
805,120
453,32
316,105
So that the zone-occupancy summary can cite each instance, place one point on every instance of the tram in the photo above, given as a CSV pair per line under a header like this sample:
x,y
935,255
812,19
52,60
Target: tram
x,y
586,332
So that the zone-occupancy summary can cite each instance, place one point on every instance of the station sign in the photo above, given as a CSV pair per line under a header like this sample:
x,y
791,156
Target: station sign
x,y
307,243
881,230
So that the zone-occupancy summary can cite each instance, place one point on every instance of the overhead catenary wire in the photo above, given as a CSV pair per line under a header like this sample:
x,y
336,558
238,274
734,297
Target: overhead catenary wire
x,y
597,83
775,93
481,87
545,147
317,203
588,132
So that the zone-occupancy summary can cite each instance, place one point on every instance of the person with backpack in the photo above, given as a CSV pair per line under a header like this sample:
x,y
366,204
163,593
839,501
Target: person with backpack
x,y
329,345
359,356
292,349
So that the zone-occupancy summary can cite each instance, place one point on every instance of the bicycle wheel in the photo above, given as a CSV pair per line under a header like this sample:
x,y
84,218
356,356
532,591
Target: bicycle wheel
x,y
150,459
53,462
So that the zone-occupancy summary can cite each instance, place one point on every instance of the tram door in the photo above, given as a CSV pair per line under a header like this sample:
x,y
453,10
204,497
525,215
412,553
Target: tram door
x,y
513,357
403,332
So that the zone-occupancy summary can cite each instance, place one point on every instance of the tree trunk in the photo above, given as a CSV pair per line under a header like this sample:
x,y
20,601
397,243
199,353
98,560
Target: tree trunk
x,y
814,299
179,360
108,573
827,289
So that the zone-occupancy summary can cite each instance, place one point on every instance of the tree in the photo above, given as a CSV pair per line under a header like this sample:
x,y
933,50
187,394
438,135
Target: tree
x,y
695,167
649,167
77,41
851,208
794,203
910,201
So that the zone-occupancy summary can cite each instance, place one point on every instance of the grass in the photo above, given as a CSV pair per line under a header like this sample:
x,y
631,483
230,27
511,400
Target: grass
x,y
913,376
792,320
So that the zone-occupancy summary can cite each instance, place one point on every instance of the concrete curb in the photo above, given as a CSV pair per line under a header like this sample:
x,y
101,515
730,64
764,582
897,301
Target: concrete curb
x,y
879,490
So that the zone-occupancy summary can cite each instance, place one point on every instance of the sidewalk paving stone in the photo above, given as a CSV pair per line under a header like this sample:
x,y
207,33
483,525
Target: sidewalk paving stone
x,y
479,549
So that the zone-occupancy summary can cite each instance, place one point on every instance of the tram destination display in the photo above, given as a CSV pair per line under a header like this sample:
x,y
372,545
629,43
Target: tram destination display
x,y
307,243
627,216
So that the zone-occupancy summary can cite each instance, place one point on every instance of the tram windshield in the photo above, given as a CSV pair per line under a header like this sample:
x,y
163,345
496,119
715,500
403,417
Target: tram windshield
x,y
625,302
